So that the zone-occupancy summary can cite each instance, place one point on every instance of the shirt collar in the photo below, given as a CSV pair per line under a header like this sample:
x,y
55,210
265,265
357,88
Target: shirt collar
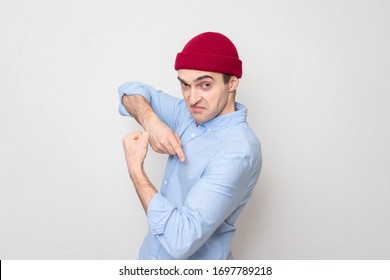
x,y
229,119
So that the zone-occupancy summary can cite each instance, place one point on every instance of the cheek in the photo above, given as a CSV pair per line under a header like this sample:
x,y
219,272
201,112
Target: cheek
x,y
221,99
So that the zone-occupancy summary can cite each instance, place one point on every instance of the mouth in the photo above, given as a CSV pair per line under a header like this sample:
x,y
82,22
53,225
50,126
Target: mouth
x,y
197,109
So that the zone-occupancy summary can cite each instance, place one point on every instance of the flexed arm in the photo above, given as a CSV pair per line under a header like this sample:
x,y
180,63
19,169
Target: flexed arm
x,y
135,146
162,138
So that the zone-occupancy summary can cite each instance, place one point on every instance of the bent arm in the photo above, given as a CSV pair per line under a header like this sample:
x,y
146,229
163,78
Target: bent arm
x,y
147,106
135,147
140,109
209,203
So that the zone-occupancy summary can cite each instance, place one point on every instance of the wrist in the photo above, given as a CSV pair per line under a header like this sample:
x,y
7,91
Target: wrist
x,y
136,170
150,120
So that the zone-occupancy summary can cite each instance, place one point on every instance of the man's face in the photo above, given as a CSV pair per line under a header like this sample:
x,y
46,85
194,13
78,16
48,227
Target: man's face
x,y
206,94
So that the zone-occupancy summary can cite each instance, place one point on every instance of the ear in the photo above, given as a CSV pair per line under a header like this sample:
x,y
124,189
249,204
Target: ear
x,y
233,84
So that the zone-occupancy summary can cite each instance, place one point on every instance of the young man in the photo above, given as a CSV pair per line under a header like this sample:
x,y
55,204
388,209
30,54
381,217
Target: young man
x,y
214,161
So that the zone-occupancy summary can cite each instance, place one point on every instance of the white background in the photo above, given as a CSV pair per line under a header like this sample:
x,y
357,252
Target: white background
x,y
315,82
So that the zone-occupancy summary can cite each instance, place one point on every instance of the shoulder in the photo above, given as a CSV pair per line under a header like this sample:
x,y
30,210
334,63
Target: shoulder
x,y
236,142
239,138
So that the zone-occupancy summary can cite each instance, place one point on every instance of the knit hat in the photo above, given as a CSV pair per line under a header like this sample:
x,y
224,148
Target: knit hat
x,y
212,52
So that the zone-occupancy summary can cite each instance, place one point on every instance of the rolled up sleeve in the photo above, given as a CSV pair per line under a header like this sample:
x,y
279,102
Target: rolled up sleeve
x,y
159,211
169,108
131,88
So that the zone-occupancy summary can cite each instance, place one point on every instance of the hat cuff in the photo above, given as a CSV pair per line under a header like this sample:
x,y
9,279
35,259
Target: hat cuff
x,y
209,62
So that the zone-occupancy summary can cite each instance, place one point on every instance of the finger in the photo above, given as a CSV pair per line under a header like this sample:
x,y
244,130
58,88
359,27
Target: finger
x,y
166,146
177,138
137,135
168,150
178,149
132,136
180,153
145,137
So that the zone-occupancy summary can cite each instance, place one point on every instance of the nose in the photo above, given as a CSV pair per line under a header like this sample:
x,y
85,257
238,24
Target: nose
x,y
194,97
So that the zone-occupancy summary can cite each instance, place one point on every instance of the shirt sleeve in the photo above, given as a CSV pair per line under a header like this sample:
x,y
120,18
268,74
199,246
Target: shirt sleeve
x,y
167,107
210,201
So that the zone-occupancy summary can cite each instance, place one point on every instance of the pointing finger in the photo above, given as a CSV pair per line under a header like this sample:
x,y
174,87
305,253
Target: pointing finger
x,y
178,149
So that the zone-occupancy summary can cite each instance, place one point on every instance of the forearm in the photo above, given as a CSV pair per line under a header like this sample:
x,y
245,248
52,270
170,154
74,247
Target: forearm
x,y
139,107
162,138
144,188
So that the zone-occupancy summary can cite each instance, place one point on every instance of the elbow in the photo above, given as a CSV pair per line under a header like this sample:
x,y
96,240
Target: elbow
x,y
185,244
178,255
183,234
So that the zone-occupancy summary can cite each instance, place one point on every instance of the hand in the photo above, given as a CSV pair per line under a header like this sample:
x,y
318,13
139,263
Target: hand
x,y
164,140
135,146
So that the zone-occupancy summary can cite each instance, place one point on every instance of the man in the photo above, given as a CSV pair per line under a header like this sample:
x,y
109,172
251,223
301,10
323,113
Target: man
x,y
214,161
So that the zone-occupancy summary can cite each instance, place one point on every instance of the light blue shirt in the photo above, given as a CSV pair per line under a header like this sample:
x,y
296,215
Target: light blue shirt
x,y
194,214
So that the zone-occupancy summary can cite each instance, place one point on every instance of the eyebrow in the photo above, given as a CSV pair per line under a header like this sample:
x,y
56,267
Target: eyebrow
x,y
197,79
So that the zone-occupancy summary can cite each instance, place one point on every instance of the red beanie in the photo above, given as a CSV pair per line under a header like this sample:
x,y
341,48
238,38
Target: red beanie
x,y
212,52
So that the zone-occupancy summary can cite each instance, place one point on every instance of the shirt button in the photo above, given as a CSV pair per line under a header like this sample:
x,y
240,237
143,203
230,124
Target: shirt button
x,y
193,135
165,182
209,129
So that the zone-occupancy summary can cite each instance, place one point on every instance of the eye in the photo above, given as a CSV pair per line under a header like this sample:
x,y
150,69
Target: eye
x,y
205,85
184,86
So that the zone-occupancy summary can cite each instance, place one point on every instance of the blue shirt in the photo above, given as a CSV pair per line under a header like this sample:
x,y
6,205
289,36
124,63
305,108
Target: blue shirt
x,y
194,214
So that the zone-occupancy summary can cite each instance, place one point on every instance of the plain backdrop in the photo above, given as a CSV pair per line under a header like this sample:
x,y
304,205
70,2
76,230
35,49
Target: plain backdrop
x,y
315,81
